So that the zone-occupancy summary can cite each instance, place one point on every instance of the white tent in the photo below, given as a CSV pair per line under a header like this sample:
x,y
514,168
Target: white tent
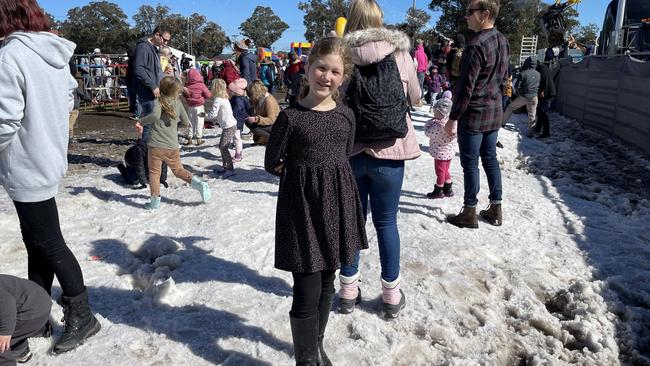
x,y
179,54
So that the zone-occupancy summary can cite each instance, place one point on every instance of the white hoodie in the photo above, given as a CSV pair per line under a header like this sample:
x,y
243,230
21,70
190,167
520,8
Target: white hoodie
x,y
36,97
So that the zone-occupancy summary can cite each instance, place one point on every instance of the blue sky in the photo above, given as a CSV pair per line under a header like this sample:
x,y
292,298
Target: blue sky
x,y
229,14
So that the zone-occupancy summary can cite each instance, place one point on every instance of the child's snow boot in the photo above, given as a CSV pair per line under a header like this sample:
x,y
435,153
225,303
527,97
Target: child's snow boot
x,y
324,308
199,141
447,190
202,187
493,214
393,298
79,322
436,193
153,204
304,332
349,294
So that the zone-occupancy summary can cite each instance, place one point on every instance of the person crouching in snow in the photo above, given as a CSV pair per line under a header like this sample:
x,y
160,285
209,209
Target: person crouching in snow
x,y
24,313
196,94
442,146
168,112
135,168
222,114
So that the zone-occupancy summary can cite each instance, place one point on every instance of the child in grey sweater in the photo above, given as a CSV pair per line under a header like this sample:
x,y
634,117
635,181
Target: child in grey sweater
x,y
24,312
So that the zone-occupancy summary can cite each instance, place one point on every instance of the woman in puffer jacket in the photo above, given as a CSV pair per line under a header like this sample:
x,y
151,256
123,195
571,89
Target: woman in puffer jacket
x,y
379,166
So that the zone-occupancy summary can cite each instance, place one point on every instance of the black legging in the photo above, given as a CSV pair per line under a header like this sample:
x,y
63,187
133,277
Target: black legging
x,y
263,131
47,253
307,290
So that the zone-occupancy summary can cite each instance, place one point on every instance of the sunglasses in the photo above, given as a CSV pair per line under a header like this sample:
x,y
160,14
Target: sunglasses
x,y
471,11
165,40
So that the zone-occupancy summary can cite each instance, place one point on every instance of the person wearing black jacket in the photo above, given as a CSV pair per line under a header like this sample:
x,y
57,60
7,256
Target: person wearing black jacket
x,y
135,169
547,93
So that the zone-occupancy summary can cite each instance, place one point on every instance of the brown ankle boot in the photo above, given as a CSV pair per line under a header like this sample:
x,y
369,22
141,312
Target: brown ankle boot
x,y
466,218
493,214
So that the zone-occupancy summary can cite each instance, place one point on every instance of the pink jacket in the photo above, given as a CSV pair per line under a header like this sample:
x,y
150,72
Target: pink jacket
x,y
198,91
371,46
442,146
421,58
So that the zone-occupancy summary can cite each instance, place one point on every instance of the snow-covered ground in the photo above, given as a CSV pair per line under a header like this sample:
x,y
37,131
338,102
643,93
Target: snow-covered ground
x,y
565,280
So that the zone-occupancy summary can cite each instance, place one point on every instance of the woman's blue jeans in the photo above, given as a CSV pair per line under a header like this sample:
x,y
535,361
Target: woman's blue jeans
x,y
471,146
381,181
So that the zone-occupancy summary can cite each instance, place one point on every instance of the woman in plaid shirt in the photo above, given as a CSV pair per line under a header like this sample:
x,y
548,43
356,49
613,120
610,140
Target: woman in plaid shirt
x,y
477,111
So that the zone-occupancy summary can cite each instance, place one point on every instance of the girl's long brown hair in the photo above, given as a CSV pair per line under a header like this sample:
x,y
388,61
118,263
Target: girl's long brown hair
x,y
327,46
170,87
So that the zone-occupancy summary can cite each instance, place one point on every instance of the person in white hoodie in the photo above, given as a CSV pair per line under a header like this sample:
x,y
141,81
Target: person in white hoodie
x,y
35,102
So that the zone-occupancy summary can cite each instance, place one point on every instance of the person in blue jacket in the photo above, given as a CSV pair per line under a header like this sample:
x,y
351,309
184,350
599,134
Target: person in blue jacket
x,y
147,72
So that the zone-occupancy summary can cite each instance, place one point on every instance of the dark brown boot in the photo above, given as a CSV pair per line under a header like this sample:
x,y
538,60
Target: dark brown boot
x,y
466,218
492,214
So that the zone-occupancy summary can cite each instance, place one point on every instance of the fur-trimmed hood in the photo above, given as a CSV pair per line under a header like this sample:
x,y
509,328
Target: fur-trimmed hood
x,y
371,45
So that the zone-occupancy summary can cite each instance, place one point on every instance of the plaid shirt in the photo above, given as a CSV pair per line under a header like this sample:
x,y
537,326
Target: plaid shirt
x,y
477,95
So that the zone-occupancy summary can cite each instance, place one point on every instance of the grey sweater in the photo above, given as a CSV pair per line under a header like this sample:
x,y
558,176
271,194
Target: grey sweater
x,y
20,299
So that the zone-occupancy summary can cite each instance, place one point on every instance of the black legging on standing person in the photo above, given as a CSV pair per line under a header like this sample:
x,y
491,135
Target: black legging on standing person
x,y
307,290
47,253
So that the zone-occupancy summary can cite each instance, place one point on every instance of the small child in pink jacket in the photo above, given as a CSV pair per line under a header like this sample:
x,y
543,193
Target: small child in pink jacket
x,y
442,146
195,94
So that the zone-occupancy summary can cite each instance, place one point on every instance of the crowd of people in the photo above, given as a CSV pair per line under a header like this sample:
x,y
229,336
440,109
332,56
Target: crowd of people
x,y
339,148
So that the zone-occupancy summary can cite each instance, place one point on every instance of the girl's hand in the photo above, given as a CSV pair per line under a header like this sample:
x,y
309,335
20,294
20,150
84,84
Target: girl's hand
x,y
450,127
186,91
5,343
138,128
251,119
278,168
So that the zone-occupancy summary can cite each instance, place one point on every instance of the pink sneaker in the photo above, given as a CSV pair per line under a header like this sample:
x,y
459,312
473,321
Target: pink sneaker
x,y
349,294
237,158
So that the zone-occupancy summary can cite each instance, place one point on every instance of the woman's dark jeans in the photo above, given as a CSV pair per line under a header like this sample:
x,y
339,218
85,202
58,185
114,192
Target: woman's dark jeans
x,y
471,146
380,180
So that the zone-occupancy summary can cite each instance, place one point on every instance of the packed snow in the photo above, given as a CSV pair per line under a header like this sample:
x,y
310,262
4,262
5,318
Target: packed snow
x,y
565,280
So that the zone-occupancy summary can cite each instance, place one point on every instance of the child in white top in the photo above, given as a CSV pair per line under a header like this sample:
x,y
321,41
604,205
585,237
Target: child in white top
x,y
442,146
222,114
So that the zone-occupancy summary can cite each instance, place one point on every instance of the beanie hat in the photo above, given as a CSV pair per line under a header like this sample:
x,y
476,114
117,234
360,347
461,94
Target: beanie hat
x,y
443,105
238,87
447,94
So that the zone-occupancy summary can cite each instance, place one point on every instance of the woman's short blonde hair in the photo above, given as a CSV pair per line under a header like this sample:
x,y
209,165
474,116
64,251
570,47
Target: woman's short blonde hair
x,y
219,89
364,14
257,90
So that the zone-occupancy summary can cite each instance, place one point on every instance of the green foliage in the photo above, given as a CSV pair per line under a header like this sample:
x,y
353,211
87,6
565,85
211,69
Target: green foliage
x,y
263,26
148,18
211,41
587,34
320,16
98,24
517,18
415,20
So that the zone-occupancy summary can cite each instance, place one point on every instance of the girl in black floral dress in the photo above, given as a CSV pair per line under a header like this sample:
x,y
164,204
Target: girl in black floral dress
x,y
319,222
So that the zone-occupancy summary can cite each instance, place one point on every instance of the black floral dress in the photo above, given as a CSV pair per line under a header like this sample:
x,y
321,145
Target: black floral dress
x,y
319,224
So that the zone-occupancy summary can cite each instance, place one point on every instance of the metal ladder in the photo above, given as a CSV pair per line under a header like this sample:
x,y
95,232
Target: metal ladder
x,y
528,48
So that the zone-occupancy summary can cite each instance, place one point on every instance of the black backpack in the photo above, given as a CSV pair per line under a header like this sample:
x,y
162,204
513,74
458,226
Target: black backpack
x,y
376,96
